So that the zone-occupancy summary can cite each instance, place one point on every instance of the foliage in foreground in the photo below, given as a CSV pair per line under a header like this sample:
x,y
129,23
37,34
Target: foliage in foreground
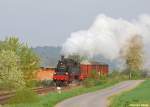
x,y
10,73
18,63
24,95
42,83
139,95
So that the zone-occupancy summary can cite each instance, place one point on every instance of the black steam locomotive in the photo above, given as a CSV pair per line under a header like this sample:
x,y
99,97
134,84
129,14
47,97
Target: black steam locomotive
x,y
67,71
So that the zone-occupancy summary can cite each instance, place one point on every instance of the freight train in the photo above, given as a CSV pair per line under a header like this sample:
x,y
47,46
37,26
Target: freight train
x,y
69,70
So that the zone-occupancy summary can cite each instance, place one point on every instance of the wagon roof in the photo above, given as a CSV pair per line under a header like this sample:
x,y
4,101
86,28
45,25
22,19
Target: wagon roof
x,y
92,63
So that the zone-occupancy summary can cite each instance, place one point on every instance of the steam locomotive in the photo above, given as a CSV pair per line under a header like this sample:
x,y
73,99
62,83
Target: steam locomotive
x,y
69,70
66,71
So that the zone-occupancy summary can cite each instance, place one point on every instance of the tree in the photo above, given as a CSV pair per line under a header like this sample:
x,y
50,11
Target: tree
x,y
10,73
29,61
133,55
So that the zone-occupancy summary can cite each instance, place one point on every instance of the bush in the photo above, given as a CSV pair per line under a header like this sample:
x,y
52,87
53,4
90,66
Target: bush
x,y
93,80
136,75
24,96
133,74
35,83
32,83
145,74
89,82
103,79
114,74
6,86
18,63
119,75
11,76
47,83
94,74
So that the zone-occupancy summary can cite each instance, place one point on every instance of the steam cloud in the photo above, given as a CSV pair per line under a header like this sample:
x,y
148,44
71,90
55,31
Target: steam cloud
x,y
107,36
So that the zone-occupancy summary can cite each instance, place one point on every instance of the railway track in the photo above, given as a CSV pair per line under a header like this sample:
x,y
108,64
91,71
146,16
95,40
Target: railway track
x,y
4,97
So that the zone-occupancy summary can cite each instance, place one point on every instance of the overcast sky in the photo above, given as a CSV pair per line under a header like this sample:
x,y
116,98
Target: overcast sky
x,y
50,22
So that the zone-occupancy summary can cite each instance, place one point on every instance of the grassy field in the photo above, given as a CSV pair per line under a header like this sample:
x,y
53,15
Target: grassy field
x,y
138,97
53,98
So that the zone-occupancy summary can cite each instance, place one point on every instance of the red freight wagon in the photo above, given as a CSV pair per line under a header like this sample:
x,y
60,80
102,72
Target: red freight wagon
x,y
85,69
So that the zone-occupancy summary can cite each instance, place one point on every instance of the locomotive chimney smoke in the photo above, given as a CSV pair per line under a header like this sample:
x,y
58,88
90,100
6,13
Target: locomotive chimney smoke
x,y
107,36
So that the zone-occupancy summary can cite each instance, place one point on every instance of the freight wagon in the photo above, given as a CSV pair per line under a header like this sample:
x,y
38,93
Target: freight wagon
x,y
69,70
86,68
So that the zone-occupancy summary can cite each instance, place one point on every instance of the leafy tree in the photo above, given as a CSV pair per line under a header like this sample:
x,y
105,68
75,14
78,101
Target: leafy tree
x,y
28,60
134,55
10,73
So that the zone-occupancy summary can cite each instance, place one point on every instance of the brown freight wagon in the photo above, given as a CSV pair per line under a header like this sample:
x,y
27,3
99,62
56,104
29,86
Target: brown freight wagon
x,y
86,68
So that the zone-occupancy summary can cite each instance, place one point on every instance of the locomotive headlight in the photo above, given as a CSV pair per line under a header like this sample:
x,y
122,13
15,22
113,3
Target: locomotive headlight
x,y
66,73
54,73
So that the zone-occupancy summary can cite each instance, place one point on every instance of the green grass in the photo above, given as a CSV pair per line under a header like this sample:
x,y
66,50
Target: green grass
x,y
52,99
139,95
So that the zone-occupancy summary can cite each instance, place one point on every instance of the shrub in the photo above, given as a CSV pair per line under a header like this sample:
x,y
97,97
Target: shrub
x,y
32,83
47,83
114,74
7,85
89,82
103,79
93,80
136,75
119,75
18,63
145,74
24,95
11,76
94,74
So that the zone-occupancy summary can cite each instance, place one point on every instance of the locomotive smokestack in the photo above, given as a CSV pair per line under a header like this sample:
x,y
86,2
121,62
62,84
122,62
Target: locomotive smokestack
x,y
62,57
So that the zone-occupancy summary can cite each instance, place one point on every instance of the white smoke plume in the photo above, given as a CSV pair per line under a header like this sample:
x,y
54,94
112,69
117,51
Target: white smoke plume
x,y
107,36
